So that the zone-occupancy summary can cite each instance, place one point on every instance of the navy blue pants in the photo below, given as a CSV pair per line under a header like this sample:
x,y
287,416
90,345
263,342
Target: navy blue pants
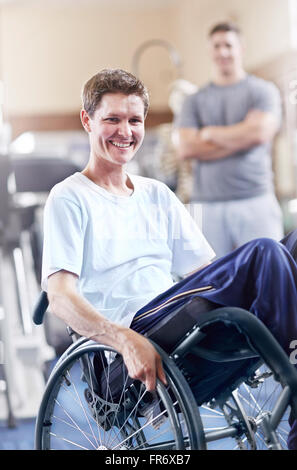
x,y
260,276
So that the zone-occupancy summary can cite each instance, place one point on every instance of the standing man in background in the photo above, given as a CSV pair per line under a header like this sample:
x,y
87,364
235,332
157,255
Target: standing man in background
x,y
227,127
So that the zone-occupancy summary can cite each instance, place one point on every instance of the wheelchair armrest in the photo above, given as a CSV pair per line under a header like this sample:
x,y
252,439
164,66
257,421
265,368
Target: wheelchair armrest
x,y
192,340
218,356
40,308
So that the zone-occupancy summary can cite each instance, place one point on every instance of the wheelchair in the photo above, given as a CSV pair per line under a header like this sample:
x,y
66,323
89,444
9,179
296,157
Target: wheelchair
x,y
230,385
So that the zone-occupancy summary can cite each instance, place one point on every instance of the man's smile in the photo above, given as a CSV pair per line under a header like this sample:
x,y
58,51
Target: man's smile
x,y
121,144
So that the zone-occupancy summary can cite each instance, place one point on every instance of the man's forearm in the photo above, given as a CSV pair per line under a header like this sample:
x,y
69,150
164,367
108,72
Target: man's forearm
x,y
215,142
234,138
258,128
190,144
140,357
81,316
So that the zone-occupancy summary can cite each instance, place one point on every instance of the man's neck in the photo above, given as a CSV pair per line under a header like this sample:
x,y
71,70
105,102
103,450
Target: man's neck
x,y
231,78
116,182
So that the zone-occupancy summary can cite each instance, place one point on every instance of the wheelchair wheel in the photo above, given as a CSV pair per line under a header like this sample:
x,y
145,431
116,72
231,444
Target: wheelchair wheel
x,y
248,410
84,409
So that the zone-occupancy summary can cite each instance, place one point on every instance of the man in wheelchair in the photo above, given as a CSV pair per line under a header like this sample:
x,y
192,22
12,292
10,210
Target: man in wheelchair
x,y
113,241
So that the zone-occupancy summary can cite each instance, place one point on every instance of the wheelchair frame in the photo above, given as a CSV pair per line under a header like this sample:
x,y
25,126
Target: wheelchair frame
x,y
178,400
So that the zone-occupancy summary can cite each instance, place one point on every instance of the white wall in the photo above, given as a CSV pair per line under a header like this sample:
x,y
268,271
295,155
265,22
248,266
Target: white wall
x,y
265,24
48,51
49,47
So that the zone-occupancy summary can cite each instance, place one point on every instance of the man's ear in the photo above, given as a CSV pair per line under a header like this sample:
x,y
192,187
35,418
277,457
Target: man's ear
x,y
85,120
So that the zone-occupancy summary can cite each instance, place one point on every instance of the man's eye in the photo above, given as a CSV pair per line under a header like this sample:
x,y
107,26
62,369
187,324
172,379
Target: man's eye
x,y
111,119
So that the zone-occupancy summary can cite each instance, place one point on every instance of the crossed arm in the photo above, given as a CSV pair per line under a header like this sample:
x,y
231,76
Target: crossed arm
x,y
215,142
140,357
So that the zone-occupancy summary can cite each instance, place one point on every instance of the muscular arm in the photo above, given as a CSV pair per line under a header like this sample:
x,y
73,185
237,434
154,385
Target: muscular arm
x,y
215,142
257,128
191,144
141,359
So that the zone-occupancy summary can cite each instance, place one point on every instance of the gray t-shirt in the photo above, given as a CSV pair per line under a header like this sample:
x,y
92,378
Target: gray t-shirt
x,y
243,174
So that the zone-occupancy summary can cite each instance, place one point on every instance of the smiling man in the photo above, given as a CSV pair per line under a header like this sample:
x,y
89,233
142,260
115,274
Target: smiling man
x,y
115,242
227,128
111,239
116,130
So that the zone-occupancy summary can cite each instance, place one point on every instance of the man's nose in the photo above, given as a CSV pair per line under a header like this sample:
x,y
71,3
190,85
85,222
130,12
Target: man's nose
x,y
224,52
124,129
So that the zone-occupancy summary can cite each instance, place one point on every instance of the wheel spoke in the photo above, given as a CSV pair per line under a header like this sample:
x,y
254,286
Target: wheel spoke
x,y
75,414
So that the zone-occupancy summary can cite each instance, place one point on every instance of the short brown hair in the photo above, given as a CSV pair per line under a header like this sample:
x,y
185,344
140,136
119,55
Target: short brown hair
x,y
112,81
225,26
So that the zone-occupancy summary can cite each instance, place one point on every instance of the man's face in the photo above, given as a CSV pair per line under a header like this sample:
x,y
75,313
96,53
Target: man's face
x,y
116,129
226,51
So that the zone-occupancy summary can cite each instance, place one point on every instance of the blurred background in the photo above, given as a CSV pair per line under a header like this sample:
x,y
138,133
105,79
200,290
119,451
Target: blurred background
x,y
48,49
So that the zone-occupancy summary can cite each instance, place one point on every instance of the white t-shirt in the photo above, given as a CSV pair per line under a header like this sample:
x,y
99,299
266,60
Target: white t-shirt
x,y
123,249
